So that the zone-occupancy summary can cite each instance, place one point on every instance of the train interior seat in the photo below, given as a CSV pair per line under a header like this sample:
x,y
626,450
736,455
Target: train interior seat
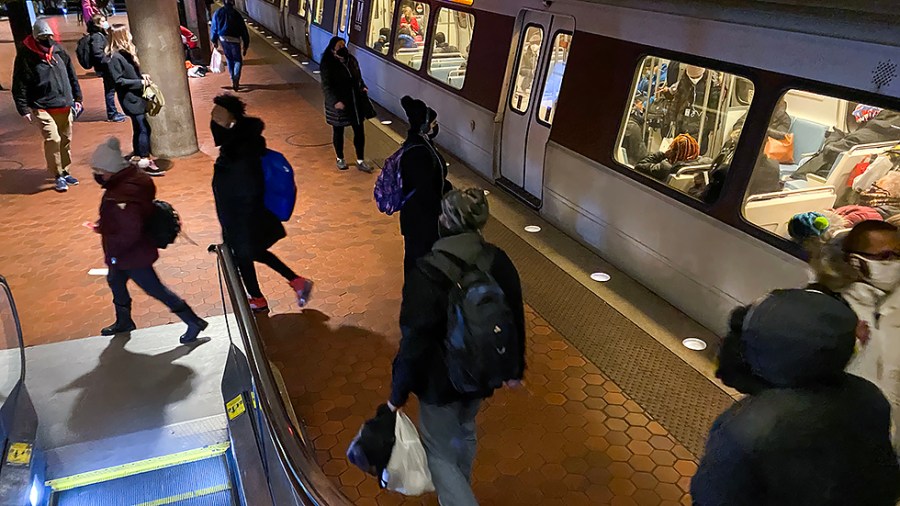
x,y
842,167
809,136
773,211
683,180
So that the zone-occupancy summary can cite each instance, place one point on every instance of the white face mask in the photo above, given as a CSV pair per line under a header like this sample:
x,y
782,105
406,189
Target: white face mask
x,y
105,25
695,80
882,274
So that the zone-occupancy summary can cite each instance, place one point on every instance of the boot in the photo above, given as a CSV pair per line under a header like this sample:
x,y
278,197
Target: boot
x,y
123,323
195,324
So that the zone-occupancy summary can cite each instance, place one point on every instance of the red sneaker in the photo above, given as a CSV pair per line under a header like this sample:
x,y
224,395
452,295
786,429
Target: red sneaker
x,y
259,304
303,287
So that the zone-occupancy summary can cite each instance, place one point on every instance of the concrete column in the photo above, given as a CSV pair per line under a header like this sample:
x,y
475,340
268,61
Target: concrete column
x,y
154,25
21,19
197,19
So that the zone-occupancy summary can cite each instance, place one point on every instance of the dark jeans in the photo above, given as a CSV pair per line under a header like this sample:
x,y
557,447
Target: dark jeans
x,y
147,279
248,271
235,59
450,440
140,140
109,93
415,248
359,141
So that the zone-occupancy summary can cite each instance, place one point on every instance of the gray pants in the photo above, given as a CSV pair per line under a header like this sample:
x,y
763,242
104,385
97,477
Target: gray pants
x,y
448,433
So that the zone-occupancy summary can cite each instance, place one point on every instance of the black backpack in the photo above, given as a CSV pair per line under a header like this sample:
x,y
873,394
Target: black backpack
x,y
83,52
164,224
482,344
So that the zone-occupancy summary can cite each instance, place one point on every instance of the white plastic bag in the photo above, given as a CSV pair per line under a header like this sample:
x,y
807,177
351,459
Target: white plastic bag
x,y
407,471
217,62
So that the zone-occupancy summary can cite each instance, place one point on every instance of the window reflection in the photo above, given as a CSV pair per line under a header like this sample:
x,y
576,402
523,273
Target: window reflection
x,y
412,25
451,45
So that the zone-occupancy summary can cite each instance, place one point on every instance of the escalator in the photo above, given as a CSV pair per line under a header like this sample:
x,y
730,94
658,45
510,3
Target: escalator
x,y
136,421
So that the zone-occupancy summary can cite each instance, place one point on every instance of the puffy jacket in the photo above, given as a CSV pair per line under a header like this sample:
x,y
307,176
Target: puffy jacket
x,y
343,82
419,366
423,171
228,22
43,78
97,44
129,82
658,167
126,206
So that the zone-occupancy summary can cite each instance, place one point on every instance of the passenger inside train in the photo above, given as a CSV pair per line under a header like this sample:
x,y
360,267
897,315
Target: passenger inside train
x,y
454,30
379,35
409,46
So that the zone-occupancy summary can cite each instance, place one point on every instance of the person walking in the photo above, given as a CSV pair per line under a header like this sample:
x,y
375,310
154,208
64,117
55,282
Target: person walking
x,y
808,433
97,28
249,229
346,101
125,70
428,363
45,90
229,29
424,175
130,252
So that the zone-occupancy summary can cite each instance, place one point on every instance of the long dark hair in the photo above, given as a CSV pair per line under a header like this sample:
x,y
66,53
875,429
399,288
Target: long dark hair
x,y
328,58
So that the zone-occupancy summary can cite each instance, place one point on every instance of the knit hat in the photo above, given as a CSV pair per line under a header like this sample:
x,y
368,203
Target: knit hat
x,y
108,157
464,211
417,112
41,27
806,225
683,148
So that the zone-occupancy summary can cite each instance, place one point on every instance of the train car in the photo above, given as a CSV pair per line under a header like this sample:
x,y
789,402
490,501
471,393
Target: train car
x,y
578,108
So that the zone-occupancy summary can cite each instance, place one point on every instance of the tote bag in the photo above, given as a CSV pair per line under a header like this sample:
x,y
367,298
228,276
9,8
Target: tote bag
x,y
781,150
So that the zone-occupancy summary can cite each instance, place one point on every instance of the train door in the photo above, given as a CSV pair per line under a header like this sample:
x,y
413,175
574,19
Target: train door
x,y
540,64
344,17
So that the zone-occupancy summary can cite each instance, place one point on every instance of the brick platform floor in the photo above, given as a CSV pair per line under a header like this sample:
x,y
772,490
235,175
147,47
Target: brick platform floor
x,y
570,436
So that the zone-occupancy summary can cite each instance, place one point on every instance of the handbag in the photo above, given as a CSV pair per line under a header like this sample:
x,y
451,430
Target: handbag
x,y
781,150
216,62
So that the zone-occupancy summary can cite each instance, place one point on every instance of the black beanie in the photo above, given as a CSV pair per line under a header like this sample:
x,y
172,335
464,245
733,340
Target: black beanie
x,y
417,112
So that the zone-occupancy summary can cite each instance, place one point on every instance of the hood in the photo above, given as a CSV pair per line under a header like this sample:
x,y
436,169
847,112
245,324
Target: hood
x,y
796,338
46,53
465,247
245,138
130,185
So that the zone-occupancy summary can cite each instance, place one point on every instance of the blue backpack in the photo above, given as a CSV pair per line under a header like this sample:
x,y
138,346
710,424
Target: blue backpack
x,y
280,189
389,186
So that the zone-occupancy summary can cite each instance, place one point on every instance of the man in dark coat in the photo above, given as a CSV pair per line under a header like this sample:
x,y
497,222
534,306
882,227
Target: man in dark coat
x,y
447,417
633,141
808,433
125,210
229,29
45,88
689,103
97,39
424,174
248,227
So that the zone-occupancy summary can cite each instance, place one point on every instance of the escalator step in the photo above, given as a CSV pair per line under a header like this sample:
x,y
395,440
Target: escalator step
x,y
205,482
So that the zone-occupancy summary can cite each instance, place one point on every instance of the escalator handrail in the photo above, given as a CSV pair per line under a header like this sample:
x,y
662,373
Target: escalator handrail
x,y
307,478
15,316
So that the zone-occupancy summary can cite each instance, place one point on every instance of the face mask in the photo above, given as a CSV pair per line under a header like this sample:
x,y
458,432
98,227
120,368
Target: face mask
x,y
105,25
220,134
882,274
342,52
99,179
695,80
46,42
434,131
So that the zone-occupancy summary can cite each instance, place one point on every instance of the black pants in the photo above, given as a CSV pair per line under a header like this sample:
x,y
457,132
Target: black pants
x,y
359,141
415,248
140,139
248,271
147,279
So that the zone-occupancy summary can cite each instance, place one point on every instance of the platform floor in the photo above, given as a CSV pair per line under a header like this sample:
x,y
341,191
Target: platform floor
x,y
607,416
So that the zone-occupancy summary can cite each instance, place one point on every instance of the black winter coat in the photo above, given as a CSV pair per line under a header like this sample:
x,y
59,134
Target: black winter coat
x,y
419,366
39,83
97,45
658,167
129,83
687,110
343,82
248,227
633,142
424,172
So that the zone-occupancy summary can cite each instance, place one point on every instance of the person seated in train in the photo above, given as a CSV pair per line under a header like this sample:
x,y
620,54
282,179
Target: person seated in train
x,y
407,18
633,142
405,38
442,46
466,56
684,151
875,125
384,36
689,103
779,123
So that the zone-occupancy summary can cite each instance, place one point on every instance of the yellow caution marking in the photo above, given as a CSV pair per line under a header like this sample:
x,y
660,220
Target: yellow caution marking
x,y
253,398
235,407
187,495
19,454
133,468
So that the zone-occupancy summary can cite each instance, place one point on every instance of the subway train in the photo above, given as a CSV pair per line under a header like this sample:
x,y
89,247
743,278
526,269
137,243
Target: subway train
x,y
581,109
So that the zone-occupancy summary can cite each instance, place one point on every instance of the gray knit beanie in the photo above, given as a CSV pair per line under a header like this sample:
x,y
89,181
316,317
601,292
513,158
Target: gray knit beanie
x,y
41,27
108,157
464,211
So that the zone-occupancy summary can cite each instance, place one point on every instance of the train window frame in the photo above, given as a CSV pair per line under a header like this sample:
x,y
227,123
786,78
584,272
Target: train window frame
x,y
313,11
430,50
537,110
302,9
426,39
518,56
370,43
344,15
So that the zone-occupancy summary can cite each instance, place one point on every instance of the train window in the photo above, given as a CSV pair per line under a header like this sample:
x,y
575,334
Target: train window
x,y
409,41
343,25
452,37
556,68
301,8
529,53
683,124
829,156
318,9
381,13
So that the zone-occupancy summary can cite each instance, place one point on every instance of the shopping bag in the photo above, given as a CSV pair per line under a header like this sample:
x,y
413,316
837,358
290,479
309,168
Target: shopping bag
x,y
217,62
781,150
407,471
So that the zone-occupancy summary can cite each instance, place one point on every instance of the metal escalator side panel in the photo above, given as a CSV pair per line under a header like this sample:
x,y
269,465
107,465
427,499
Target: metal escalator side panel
x,y
18,465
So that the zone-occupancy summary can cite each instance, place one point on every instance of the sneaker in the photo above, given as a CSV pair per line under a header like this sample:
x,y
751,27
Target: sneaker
x,y
150,167
117,118
363,166
303,287
258,304
70,180
61,185
341,164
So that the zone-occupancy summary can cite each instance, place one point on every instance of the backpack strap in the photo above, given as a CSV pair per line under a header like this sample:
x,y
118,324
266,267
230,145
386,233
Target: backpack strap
x,y
453,267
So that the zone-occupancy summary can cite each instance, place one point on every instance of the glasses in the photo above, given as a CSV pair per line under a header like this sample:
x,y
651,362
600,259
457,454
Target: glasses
x,y
880,256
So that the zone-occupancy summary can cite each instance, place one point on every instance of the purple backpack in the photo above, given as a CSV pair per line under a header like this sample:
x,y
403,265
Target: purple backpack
x,y
389,186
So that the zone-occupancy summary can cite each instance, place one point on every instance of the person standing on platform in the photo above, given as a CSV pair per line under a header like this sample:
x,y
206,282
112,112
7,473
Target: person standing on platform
x,y
125,209
347,101
229,29
249,229
97,28
424,174
125,70
45,89
808,433
461,267
89,9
